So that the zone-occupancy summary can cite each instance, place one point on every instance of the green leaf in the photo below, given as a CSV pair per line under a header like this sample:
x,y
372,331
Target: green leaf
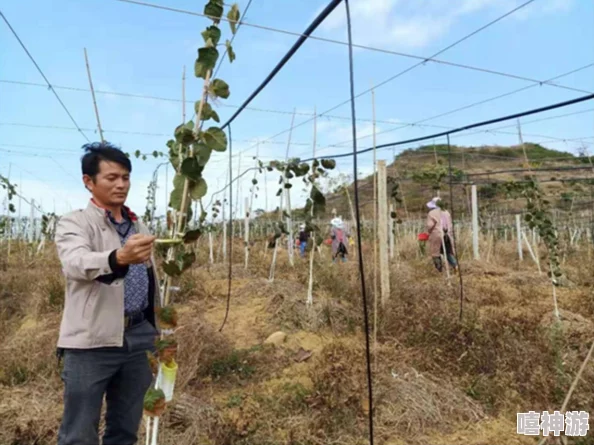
x,y
178,181
192,169
137,153
219,88
202,153
198,189
207,59
214,10
254,181
318,199
207,112
213,34
233,17
230,51
171,268
328,164
188,259
152,397
185,135
192,235
156,154
175,198
215,139
288,185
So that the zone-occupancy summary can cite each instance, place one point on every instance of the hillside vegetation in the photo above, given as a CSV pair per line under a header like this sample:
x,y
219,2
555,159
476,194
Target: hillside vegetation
x,y
424,172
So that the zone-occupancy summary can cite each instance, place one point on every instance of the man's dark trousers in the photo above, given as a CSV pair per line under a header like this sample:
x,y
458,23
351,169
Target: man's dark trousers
x,y
121,374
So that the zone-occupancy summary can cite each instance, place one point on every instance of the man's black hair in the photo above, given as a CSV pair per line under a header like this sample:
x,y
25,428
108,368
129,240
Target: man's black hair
x,y
102,151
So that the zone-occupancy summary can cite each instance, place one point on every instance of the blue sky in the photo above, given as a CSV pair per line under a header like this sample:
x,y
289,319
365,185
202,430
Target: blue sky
x,y
142,51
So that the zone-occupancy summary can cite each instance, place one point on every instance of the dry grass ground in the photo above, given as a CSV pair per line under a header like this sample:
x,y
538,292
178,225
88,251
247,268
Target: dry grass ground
x,y
437,379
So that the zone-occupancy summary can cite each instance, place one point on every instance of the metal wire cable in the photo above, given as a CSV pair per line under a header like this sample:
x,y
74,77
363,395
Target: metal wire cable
x,y
300,41
469,127
472,105
482,28
43,75
230,233
423,59
358,228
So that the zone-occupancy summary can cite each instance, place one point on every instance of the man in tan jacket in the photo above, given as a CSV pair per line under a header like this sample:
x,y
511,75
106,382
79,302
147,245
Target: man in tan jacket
x,y
108,322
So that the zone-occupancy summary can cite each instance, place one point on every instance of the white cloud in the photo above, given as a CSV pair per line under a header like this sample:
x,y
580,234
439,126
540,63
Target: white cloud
x,y
405,24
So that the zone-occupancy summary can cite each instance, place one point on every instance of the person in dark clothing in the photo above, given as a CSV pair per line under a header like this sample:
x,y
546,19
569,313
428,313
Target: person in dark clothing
x,y
303,239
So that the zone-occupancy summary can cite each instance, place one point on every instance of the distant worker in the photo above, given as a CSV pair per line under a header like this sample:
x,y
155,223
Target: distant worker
x,y
108,322
440,229
339,238
303,239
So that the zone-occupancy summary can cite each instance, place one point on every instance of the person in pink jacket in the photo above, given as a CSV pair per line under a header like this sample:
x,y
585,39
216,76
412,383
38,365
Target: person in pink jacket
x,y
440,229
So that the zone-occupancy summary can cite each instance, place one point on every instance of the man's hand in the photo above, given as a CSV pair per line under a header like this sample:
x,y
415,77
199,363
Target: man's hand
x,y
137,250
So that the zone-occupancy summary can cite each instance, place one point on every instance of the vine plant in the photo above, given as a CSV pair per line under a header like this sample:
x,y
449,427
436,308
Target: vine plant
x,y
395,195
315,204
189,153
538,217
11,190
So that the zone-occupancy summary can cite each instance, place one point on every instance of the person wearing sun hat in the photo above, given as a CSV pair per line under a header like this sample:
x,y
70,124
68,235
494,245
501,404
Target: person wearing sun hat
x,y
439,228
339,238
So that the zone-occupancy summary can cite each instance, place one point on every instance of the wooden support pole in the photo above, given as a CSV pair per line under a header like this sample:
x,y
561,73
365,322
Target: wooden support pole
x,y
391,233
210,248
287,192
8,218
383,231
246,231
312,241
224,243
184,96
475,224
532,254
519,237
93,94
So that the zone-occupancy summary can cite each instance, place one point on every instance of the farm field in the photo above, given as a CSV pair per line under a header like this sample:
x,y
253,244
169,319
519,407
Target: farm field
x,y
308,244
437,380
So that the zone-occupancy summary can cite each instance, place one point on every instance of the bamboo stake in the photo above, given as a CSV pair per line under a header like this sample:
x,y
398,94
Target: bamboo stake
x,y
94,100
224,243
280,207
572,387
375,205
182,215
287,191
233,212
210,248
8,219
313,235
534,257
184,95
246,232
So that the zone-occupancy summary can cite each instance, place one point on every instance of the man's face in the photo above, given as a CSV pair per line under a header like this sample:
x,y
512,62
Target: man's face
x,y
111,184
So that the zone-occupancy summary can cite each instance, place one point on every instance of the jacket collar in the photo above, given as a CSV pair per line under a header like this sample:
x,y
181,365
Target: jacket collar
x,y
97,210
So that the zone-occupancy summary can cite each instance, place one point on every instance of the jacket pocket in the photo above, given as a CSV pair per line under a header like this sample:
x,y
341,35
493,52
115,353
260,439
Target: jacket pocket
x,y
90,300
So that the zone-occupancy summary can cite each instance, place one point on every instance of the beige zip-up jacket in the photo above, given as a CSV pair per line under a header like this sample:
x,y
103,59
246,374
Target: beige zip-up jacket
x,y
93,310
